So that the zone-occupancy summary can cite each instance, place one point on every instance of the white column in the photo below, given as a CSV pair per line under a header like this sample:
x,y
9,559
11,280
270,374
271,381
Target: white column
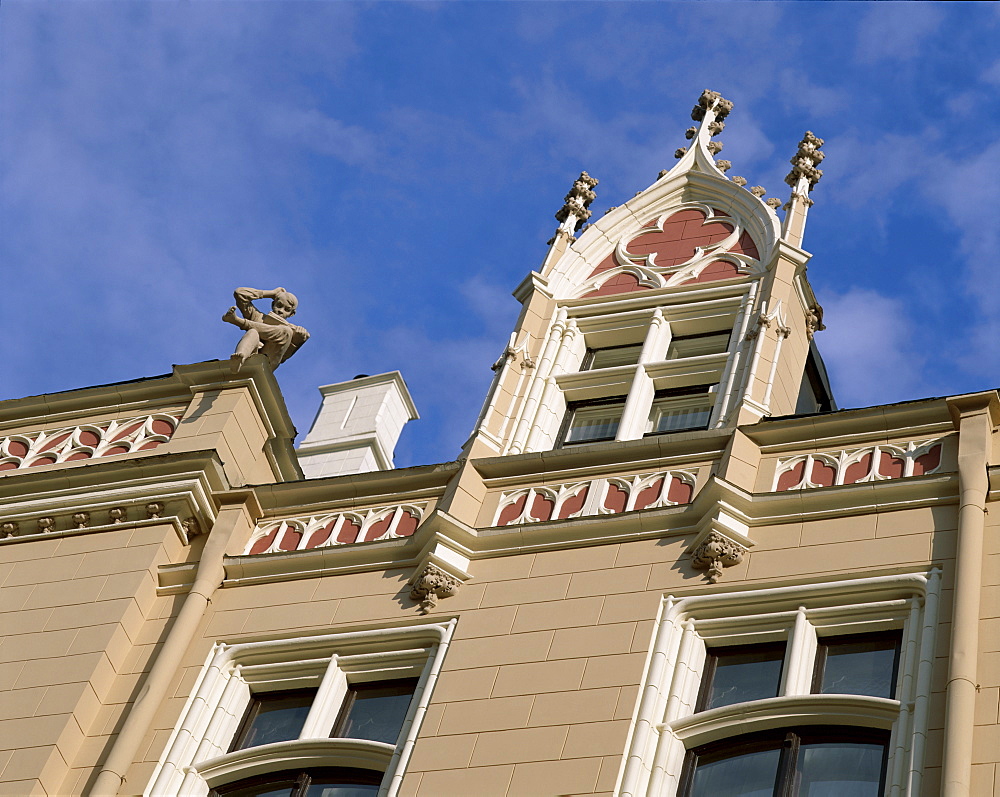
x,y
535,385
640,395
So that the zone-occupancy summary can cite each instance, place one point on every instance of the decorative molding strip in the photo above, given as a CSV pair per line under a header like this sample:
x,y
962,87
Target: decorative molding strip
x,y
607,496
870,464
340,528
88,441
84,520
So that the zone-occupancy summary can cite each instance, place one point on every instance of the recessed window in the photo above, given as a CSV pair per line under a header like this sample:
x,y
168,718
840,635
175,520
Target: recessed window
x,y
611,357
375,711
801,762
323,782
862,664
698,345
741,673
680,410
274,717
592,421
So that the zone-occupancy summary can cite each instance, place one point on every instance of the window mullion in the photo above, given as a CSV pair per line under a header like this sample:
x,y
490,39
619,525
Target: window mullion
x,y
797,678
326,705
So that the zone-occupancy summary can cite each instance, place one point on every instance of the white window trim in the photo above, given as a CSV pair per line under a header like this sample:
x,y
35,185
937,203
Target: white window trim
x,y
665,726
195,758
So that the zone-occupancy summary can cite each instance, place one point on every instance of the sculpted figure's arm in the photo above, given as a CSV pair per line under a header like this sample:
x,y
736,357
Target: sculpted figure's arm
x,y
245,297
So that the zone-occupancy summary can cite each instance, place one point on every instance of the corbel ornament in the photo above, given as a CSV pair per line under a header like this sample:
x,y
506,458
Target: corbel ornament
x,y
814,320
432,584
715,553
442,568
722,542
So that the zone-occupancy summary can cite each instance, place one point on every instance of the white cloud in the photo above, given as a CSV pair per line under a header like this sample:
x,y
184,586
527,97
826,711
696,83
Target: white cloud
x,y
870,348
895,31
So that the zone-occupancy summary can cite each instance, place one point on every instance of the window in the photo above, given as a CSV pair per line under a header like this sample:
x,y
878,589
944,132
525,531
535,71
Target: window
x,y
818,689
611,357
290,717
698,345
274,717
680,409
801,762
375,710
592,421
741,673
861,664
322,782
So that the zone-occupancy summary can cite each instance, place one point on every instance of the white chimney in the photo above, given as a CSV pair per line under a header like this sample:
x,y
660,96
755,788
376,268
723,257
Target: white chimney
x,y
357,426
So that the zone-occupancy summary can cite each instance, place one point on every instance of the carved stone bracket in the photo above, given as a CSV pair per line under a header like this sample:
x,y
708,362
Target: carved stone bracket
x,y
431,584
814,320
715,553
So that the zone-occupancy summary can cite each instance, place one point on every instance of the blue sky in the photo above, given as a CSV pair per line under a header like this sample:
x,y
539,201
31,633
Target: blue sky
x,y
398,166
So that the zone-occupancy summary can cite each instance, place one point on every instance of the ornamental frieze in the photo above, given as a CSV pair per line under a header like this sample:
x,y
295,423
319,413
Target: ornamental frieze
x,y
340,528
871,464
87,441
607,496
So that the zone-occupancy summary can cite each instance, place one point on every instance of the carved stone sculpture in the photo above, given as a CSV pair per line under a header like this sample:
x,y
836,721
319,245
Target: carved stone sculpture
x,y
153,510
741,181
758,191
431,584
271,334
680,152
9,528
577,201
191,527
711,99
724,166
773,202
81,520
715,553
118,515
46,524
715,147
806,159
814,320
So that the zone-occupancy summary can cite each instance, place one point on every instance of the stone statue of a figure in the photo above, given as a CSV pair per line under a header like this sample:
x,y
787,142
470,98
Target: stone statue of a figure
x,y
271,334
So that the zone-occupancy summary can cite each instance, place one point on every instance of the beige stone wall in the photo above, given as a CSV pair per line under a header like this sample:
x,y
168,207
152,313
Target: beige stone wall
x,y
79,616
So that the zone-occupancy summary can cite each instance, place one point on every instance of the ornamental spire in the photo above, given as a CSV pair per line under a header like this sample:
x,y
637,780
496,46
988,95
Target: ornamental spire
x,y
711,111
802,178
576,209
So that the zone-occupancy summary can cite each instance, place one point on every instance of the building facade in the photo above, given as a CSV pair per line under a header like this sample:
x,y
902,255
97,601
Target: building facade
x,y
664,564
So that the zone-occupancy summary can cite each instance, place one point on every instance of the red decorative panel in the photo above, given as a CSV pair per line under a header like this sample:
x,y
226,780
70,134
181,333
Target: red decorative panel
x,y
791,477
349,531
713,272
925,463
541,507
680,492
573,504
616,498
513,511
378,528
290,541
822,474
649,495
115,450
17,448
264,542
321,536
8,465
42,461
52,442
160,426
126,431
858,470
88,438
746,246
891,467
408,523
620,283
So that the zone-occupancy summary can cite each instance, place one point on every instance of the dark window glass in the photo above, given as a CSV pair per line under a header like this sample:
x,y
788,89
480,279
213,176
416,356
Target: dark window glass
x,y
611,357
749,774
737,674
375,710
802,762
274,717
325,782
592,421
840,769
861,664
